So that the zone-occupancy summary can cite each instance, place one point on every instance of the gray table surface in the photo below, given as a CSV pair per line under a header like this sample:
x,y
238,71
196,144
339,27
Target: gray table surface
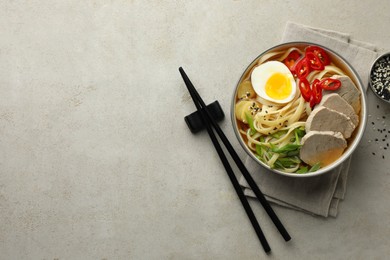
x,y
96,161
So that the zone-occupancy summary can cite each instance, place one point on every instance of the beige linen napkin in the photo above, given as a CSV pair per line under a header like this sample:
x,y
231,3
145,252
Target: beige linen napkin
x,y
318,195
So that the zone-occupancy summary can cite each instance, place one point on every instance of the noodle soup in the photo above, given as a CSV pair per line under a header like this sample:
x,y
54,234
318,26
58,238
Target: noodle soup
x,y
280,103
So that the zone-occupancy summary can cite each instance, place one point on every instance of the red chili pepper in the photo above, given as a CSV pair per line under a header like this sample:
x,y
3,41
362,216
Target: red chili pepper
x,y
316,93
304,87
302,68
290,60
314,62
330,84
320,53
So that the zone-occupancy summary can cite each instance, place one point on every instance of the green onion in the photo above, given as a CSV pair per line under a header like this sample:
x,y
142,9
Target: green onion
x,y
303,169
259,150
293,153
288,162
250,123
315,167
279,134
284,149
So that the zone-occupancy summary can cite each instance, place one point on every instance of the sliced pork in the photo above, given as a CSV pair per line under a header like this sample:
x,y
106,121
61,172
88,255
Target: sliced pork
x,y
336,102
322,146
325,119
348,91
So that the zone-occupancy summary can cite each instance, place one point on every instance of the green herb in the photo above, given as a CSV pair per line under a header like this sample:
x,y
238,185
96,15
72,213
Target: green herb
x,y
315,167
303,169
278,165
279,134
259,149
284,149
298,133
250,123
293,153
288,162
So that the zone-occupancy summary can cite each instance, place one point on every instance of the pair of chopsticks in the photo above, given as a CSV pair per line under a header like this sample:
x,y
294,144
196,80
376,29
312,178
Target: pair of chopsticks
x,y
209,123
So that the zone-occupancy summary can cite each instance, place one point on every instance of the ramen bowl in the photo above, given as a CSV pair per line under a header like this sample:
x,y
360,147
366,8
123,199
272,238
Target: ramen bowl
x,y
240,130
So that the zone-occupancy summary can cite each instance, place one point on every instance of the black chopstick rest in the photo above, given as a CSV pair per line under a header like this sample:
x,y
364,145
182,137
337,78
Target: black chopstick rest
x,y
194,120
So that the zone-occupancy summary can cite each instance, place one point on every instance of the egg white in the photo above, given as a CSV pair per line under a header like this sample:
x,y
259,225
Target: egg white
x,y
262,73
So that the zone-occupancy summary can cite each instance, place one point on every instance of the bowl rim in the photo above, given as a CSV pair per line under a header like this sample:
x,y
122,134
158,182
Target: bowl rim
x,y
352,147
370,80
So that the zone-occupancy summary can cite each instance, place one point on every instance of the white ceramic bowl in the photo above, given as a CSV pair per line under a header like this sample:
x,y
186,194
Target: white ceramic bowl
x,y
352,142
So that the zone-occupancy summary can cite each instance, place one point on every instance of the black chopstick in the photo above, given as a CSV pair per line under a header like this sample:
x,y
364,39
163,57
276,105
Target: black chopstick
x,y
238,161
209,120
227,166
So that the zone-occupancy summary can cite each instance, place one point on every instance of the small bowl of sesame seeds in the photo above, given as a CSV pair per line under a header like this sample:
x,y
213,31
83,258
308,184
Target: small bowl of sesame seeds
x,y
380,77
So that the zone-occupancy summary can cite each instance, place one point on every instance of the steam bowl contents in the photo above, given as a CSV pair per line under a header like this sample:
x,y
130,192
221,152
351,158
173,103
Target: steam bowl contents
x,y
380,77
299,109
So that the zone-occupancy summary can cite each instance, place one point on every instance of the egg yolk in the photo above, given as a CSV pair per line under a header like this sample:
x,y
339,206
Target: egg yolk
x,y
278,86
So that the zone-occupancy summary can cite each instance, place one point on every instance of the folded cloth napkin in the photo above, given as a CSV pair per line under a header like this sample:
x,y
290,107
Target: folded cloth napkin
x,y
318,195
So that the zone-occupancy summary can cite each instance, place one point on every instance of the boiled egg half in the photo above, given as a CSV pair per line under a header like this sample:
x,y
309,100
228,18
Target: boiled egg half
x,y
274,82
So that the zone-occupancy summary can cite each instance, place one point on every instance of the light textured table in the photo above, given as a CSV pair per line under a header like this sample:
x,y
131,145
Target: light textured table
x,y
96,161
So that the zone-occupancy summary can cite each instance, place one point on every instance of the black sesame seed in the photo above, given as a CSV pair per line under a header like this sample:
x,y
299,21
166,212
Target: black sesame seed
x,y
383,140
383,156
376,139
373,153
385,148
383,117
373,123
377,106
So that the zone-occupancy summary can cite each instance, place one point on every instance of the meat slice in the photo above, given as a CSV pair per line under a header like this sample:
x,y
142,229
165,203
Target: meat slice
x,y
348,91
335,102
326,119
322,147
